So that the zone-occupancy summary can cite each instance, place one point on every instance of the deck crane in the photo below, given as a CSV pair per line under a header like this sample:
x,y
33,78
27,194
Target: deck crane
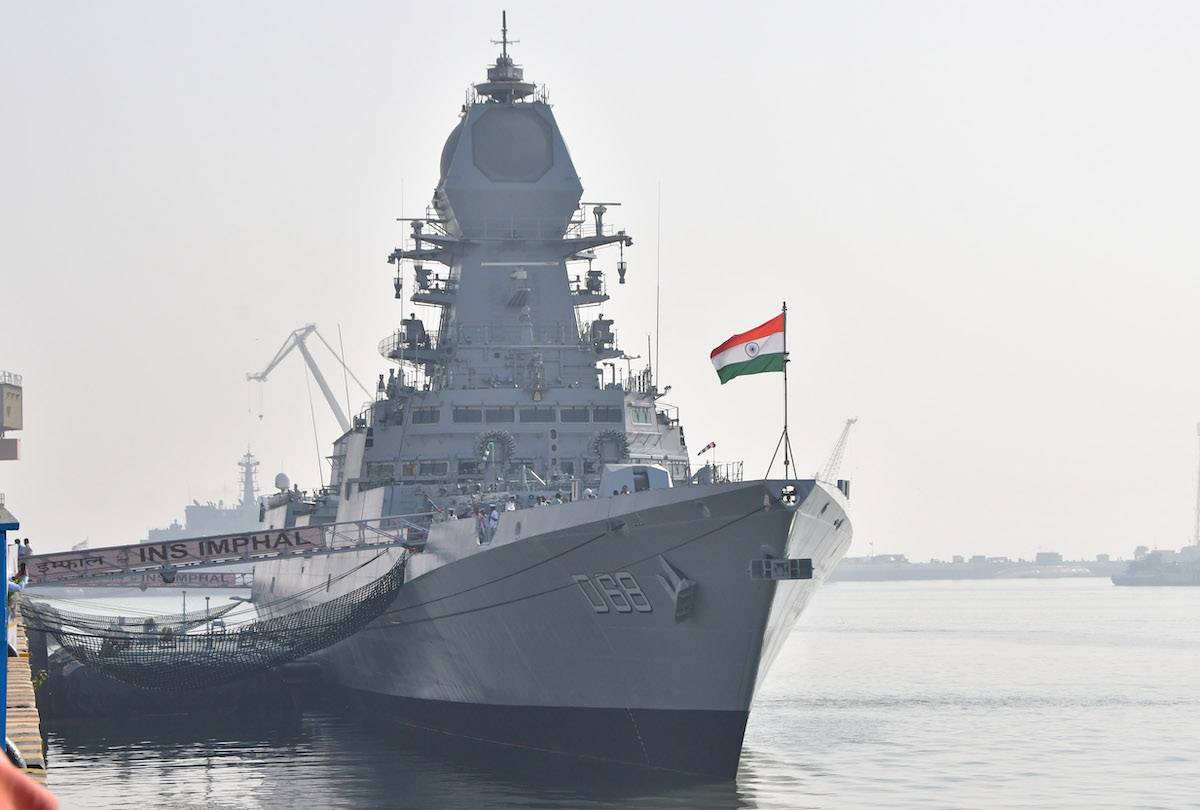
x,y
296,341
829,474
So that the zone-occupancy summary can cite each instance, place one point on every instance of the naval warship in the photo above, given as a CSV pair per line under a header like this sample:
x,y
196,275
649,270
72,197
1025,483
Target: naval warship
x,y
573,586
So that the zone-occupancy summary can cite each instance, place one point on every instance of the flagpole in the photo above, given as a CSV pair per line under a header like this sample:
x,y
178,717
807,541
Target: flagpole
x,y
787,444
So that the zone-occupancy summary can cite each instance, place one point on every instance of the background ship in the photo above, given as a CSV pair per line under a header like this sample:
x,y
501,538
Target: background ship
x,y
1166,566
204,519
633,620
1162,567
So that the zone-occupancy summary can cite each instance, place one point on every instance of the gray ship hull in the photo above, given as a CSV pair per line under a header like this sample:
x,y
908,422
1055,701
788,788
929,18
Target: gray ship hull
x,y
1165,578
626,630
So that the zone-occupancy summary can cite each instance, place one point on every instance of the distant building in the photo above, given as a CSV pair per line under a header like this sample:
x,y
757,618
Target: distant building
x,y
11,414
1048,558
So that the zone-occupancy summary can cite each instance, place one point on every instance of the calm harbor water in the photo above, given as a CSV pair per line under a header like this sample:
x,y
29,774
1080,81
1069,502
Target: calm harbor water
x,y
993,694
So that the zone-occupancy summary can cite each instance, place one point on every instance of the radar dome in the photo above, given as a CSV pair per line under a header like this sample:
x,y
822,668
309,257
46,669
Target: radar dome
x,y
282,482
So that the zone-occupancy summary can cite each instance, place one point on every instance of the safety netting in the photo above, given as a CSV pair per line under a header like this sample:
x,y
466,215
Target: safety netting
x,y
167,659
43,615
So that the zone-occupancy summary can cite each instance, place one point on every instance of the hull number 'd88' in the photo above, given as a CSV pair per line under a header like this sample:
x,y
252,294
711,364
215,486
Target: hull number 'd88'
x,y
608,592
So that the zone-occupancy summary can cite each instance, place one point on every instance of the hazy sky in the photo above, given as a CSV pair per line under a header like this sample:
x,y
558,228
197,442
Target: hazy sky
x,y
982,215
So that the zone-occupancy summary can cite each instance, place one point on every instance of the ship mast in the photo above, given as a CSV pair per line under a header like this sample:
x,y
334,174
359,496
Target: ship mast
x,y
249,478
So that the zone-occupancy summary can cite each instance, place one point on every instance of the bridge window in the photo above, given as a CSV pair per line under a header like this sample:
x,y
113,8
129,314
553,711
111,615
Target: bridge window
x,y
574,414
468,468
607,413
380,471
641,414
537,414
567,467
468,414
641,480
426,416
435,469
499,414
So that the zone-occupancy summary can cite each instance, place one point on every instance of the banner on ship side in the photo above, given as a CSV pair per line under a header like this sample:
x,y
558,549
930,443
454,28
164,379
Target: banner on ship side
x,y
184,578
73,565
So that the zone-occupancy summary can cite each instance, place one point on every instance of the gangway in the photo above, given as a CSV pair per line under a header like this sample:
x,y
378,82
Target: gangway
x,y
185,652
169,557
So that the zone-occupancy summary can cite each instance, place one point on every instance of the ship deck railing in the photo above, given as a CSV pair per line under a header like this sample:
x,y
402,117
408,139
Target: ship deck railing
x,y
548,230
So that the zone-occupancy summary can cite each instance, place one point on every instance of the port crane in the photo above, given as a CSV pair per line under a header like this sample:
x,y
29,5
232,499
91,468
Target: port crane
x,y
296,340
829,474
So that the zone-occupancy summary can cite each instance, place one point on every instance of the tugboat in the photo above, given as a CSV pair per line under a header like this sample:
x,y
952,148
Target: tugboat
x,y
573,586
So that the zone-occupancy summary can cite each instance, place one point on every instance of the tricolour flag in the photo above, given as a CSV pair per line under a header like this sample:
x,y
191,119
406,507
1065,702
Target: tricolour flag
x,y
753,352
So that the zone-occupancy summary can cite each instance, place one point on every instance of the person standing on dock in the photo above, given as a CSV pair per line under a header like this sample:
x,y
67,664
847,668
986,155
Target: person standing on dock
x,y
15,585
24,551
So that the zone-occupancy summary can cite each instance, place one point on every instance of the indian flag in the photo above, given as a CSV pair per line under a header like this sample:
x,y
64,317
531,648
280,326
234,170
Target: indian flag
x,y
753,352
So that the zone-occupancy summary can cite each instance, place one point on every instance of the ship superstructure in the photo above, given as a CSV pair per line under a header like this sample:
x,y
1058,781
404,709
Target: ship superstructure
x,y
576,588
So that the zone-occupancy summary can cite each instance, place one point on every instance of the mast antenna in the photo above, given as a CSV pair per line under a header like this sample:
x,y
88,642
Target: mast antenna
x,y
657,287
504,41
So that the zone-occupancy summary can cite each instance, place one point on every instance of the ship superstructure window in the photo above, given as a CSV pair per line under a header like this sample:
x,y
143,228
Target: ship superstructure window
x,y
607,413
537,413
434,469
575,414
468,468
426,416
499,414
567,467
380,470
468,414
641,414
641,480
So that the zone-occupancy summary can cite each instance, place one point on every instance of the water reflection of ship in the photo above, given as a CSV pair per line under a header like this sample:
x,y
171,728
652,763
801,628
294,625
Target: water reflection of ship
x,y
202,519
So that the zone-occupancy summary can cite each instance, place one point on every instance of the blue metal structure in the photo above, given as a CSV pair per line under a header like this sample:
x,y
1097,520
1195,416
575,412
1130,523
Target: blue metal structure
x,y
8,523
